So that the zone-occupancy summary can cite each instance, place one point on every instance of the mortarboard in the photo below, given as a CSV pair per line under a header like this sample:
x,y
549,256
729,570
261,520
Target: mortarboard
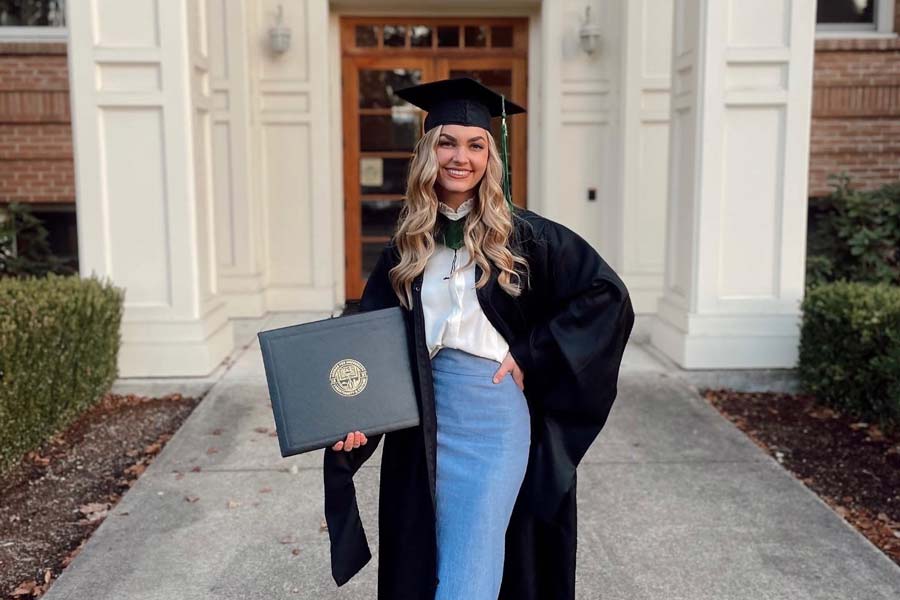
x,y
464,101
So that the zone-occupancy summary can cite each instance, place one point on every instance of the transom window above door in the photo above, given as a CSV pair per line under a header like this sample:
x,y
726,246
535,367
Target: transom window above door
x,y
432,36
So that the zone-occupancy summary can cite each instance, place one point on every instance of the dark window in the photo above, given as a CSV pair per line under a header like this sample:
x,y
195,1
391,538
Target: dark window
x,y
32,13
62,229
366,36
46,234
501,36
476,36
394,36
448,36
420,36
846,11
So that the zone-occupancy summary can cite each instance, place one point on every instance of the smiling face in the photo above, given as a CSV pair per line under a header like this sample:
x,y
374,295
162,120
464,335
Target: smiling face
x,y
462,154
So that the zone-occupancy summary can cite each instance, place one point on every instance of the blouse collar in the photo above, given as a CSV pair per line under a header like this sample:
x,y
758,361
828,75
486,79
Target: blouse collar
x,y
460,212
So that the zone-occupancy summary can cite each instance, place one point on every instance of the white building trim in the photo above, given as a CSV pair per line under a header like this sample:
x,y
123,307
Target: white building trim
x,y
34,34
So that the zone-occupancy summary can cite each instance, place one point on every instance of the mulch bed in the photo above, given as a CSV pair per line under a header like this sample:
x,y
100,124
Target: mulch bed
x,y
851,464
60,493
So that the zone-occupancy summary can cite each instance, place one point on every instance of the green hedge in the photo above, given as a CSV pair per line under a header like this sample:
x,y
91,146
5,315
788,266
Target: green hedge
x,y
850,349
59,340
854,235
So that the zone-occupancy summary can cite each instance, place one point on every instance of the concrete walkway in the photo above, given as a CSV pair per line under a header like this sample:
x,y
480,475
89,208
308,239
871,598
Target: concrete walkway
x,y
674,503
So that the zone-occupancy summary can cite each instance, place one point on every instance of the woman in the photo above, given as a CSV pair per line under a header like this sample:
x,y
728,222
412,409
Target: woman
x,y
517,328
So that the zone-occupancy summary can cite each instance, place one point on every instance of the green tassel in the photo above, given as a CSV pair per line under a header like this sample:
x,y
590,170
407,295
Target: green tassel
x,y
504,153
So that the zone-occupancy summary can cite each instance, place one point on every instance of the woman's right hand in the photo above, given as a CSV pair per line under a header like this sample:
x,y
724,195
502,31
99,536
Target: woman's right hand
x,y
355,439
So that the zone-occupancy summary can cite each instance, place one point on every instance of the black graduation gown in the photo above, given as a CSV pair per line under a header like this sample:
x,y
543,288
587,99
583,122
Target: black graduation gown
x,y
568,335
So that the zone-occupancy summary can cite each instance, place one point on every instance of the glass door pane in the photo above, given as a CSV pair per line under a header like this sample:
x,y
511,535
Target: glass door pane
x,y
388,130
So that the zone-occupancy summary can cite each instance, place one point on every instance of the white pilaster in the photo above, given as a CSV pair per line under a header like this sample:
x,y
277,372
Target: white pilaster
x,y
739,148
238,211
140,93
550,94
644,155
580,131
290,133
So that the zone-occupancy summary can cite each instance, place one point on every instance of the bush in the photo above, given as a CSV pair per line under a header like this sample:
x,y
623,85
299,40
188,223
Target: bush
x,y
855,235
850,349
59,341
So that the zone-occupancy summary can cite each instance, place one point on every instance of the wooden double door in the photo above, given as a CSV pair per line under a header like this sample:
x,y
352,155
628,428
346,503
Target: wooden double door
x,y
380,129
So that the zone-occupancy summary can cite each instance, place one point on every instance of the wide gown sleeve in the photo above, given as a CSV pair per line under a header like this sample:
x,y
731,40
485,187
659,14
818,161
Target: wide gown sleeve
x,y
349,546
575,353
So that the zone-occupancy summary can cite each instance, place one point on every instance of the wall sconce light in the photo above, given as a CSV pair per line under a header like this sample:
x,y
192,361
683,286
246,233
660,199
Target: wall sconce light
x,y
589,32
280,34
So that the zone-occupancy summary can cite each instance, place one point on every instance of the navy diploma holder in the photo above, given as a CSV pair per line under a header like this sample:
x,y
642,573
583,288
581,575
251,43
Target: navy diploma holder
x,y
329,377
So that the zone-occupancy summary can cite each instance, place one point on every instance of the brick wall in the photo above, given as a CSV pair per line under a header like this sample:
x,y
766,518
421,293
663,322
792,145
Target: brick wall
x,y
35,131
855,112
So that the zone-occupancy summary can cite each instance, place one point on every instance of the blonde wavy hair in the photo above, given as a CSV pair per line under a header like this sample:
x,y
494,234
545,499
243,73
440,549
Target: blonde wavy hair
x,y
489,236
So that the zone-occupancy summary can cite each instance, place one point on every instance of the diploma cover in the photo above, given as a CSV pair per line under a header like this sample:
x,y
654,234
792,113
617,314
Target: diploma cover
x,y
329,377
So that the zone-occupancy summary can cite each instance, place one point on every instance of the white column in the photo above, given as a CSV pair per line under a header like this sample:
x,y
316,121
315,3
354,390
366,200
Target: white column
x,y
140,100
739,148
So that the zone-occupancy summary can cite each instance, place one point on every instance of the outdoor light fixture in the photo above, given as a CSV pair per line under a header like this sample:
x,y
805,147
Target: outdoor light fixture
x,y
589,33
280,34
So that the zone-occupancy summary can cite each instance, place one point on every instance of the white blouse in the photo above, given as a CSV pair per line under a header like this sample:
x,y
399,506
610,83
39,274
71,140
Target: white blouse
x,y
453,316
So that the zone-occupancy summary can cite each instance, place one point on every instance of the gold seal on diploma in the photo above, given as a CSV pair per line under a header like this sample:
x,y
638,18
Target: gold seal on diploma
x,y
348,377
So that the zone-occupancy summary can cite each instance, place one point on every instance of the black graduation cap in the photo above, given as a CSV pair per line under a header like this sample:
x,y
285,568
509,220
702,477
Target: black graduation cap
x,y
461,100
464,101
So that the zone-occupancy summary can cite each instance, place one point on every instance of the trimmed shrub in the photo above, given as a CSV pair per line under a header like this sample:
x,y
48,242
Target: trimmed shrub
x,y
59,341
850,349
854,235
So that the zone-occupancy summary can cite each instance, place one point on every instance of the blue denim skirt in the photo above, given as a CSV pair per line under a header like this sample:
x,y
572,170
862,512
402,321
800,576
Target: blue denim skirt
x,y
483,438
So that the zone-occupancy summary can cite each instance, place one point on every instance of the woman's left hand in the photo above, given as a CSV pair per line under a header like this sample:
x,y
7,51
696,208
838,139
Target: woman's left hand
x,y
509,365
